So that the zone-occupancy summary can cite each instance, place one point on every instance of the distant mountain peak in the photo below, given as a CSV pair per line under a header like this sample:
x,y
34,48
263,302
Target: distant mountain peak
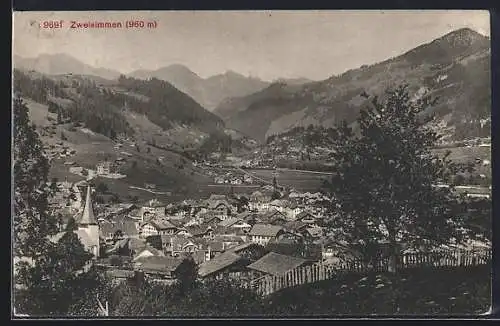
x,y
463,36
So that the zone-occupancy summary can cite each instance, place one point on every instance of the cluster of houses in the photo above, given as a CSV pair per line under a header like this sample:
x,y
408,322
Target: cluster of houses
x,y
58,150
226,236
233,178
106,169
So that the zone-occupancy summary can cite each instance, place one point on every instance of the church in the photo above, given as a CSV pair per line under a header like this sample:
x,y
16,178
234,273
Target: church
x,y
88,228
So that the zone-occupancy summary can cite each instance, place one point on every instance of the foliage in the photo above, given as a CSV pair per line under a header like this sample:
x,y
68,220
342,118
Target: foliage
x,y
51,276
166,104
384,185
208,298
32,222
411,292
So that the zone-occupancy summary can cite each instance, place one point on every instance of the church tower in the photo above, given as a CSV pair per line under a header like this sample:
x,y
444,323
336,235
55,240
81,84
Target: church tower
x,y
88,224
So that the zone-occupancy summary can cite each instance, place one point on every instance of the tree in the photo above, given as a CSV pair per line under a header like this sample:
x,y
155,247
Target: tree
x,y
384,186
102,188
187,274
32,223
52,277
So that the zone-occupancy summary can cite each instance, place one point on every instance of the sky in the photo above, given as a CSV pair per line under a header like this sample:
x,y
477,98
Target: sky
x,y
264,44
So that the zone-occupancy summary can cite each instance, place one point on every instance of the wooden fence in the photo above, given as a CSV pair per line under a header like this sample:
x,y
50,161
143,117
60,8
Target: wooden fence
x,y
322,271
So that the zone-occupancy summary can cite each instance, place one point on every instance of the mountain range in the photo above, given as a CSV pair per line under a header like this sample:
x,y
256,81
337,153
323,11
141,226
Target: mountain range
x,y
454,68
208,92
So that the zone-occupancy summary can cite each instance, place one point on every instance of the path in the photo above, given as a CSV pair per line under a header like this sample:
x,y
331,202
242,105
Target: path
x,y
150,191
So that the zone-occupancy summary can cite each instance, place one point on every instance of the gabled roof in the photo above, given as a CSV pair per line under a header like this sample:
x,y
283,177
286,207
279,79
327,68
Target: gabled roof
x,y
154,251
243,246
230,222
162,225
295,225
159,264
88,216
127,227
218,263
276,264
266,230
217,203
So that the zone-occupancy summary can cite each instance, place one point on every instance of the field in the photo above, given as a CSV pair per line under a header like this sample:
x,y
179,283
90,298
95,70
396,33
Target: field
x,y
302,181
448,291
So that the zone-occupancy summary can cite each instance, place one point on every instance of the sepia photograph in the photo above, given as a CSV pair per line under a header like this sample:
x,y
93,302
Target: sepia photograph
x,y
251,164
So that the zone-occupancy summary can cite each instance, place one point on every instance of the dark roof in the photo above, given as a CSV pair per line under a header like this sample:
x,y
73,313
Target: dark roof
x,y
128,227
229,222
276,264
266,230
218,263
198,229
304,214
158,263
244,246
294,225
162,225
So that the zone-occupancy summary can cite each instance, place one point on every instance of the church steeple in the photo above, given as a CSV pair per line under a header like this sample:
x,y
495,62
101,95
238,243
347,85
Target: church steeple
x,y
88,217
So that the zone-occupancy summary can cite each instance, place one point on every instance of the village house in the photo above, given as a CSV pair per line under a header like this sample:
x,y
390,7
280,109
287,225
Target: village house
x,y
263,233
117,230
157,227
165,268
220,208
259,201
275,264
200,231
235,226
147,251
104,168
226,265
175,245
151,209
274,217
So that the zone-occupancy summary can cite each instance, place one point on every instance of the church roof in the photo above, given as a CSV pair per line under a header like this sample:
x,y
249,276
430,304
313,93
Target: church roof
x,y
88,216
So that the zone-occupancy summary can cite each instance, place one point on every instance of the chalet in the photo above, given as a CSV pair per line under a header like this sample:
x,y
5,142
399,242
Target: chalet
x,y
211,219
234,225
228,241
295,226
147,251
103,168
263,233
157,227
250,250
152,208
160,267
259,201
228,264
175,245
201,231
221,208
116,230
276,264
274,217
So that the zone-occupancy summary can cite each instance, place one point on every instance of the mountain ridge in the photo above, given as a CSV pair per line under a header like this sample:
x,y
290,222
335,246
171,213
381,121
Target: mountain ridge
x,y
454,67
